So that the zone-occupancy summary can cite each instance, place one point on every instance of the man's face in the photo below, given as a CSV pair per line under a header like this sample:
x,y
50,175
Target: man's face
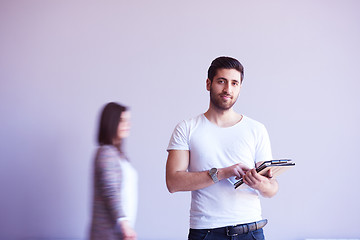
x,y
224,89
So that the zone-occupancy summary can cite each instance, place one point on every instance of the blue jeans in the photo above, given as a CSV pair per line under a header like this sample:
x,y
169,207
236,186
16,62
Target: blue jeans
x,y
220,234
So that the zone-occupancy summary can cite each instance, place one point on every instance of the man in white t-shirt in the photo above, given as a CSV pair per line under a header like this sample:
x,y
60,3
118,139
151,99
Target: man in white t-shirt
x,y
208,152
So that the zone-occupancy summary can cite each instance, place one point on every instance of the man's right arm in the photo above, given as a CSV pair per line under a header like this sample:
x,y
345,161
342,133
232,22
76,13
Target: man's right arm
x,y
179,179
177,176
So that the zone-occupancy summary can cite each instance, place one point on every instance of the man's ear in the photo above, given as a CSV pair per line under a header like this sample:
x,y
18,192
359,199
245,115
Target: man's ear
x,y
208,84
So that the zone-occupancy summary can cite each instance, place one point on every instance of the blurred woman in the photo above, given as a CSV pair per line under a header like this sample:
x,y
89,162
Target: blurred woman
x,y
115,180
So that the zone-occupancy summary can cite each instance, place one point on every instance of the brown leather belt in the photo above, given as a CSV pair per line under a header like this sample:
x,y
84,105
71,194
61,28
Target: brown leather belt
x,y
245,228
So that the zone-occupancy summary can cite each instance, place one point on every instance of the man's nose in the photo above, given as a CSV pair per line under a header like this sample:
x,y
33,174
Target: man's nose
x,y
227,88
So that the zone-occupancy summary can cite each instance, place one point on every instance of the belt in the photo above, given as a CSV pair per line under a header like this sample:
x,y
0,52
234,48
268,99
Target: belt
x,y
245,228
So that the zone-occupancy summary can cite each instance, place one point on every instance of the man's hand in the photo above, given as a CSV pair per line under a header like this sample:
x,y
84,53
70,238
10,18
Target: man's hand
x,y
266,185
237,170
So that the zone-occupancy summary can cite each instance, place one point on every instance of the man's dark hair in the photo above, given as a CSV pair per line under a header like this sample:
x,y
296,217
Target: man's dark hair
x,y
109,122
227,63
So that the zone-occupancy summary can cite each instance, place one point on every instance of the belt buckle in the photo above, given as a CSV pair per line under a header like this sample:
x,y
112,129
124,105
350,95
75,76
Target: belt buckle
x,y
228,232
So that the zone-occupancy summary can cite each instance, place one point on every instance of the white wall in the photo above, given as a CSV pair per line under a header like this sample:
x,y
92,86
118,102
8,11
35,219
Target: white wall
x,y
60,61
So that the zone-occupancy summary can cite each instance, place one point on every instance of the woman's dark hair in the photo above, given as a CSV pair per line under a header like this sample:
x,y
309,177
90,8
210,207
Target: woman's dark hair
x,y
227,63
109,121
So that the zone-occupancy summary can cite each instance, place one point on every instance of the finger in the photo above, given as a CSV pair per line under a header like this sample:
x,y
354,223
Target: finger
x,y
256,175
245,170
245,180
252,177
241,172
242,167
248,179
238,172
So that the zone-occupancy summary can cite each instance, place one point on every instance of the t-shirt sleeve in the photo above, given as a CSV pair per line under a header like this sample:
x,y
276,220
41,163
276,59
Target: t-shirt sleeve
x,y
263,146
179,138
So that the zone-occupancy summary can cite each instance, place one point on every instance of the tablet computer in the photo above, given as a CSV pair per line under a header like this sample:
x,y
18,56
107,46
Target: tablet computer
x,y
277,166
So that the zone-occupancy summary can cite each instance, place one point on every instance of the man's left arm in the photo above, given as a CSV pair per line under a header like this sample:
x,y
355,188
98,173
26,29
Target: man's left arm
x,y
266,185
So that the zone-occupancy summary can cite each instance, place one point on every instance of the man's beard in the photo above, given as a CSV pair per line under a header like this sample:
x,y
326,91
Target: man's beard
x,y
219,103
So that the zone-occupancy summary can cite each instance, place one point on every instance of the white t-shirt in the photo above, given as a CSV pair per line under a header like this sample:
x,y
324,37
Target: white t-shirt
x,y
129,194
211,146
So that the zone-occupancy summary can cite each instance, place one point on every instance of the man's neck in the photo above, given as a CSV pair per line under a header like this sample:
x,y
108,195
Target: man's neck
x,y
223,118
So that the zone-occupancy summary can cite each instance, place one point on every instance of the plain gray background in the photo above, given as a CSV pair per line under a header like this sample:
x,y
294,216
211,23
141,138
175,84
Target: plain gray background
x,y
61,61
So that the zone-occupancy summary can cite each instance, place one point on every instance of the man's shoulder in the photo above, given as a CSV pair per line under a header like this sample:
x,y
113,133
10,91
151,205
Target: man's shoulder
x,y
196,118
190,124
192,120
252,122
